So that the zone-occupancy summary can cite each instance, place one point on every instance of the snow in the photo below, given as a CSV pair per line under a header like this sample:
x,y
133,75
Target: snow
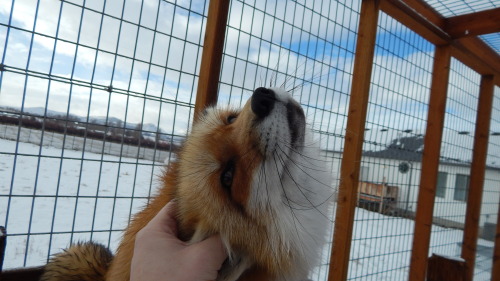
x,y
381,248
111,188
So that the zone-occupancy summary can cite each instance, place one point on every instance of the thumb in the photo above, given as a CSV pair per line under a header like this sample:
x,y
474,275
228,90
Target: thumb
x,y
213,249
165,220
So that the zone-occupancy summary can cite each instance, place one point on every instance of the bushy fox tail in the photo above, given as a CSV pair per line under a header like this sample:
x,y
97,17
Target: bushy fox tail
x,y
87,261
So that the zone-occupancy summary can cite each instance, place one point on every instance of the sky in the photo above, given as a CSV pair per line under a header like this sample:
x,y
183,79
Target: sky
x,y
159,43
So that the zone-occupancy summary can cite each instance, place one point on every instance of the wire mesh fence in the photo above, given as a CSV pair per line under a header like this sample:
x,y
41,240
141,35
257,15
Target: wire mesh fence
x,y
89,92
456,157
306,47
491,197
390,167
94,97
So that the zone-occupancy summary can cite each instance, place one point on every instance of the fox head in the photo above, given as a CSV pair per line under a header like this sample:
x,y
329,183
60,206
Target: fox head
x,y
254,176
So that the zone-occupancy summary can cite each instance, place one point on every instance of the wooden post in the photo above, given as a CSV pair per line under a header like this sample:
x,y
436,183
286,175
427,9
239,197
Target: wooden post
x,y
446,269
213,45
349,175
495,267
430,163
475,194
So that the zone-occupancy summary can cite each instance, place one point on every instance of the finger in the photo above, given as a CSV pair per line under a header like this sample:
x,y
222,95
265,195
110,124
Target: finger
x,y
165,220
213,248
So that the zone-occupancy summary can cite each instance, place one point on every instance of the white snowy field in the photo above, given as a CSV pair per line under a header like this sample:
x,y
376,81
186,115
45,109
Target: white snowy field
x,y
381,248
97,193
94,192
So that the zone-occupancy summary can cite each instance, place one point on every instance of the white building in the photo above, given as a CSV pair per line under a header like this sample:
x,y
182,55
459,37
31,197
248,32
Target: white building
x,y
452,187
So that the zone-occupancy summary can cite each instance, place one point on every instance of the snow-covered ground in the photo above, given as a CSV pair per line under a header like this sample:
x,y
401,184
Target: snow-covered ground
x,y
99,192
94,192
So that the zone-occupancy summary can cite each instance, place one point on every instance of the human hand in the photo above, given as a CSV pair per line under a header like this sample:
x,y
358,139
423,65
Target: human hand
x,y
160,255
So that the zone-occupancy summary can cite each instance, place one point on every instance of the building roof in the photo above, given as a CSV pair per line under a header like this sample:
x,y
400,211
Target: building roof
x,y
411,149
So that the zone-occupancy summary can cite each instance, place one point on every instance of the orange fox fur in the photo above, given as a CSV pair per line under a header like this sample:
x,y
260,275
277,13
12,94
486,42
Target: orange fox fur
x,y
252,226
81,262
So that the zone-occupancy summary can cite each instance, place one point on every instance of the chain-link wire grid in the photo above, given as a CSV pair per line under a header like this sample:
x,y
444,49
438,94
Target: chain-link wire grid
x,y
491,197
456,157
94,95
454,173
392,152
449,8
305,47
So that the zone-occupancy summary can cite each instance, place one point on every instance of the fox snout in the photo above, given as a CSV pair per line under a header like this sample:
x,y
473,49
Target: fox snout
x,y
276,119
262,102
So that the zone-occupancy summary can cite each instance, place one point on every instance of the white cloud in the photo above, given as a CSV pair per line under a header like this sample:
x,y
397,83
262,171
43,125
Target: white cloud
x,y
399,100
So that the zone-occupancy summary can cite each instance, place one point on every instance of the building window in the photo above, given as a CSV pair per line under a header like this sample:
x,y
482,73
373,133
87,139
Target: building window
x,y
441,184
461,187
363,173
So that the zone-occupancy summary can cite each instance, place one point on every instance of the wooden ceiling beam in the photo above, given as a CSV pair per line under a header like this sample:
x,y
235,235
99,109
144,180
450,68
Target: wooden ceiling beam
x,y
474,62
473,24
427,11
487,60
425,21
409,16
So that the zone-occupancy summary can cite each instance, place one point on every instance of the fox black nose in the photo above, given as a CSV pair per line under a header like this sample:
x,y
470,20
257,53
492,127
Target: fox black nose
x,y
262,102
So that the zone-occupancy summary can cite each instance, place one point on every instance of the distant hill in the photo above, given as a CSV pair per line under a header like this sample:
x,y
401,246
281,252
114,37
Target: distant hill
x,y
98,120
99,127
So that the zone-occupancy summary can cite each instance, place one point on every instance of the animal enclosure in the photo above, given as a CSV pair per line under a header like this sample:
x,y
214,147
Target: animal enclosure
x,y
95,96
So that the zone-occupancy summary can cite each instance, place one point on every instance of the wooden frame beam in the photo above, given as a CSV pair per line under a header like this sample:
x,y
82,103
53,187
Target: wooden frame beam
x,y
349,174
427,11
475,195
476,49
479,23
471,60
430,163
211,59
408,15
425,21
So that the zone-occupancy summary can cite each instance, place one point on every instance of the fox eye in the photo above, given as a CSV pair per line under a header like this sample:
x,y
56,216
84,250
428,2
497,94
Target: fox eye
x,y
226,178
231,118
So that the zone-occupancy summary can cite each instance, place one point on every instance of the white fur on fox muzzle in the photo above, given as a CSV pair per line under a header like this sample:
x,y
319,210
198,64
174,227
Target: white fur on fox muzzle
x,y
279,119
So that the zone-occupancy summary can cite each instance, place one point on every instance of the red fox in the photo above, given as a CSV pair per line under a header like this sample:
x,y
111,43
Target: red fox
x,y
254,176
